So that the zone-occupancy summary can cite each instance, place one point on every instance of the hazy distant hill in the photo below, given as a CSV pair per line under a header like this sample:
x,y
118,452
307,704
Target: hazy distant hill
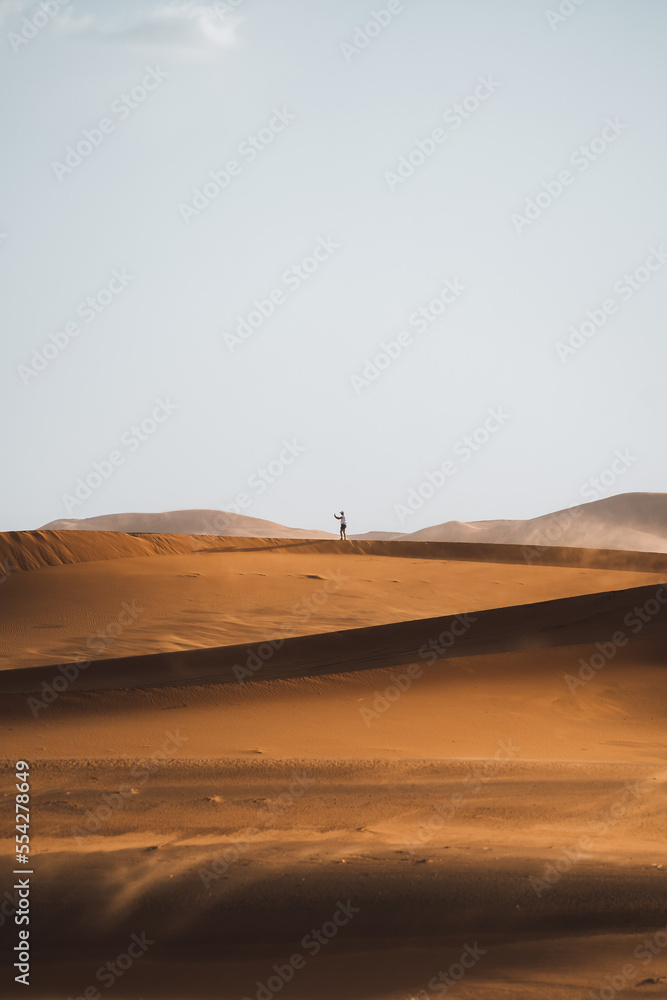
x,y
633,521
187,522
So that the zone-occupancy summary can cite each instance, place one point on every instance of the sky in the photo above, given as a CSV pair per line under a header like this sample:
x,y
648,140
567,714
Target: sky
x,y
404,259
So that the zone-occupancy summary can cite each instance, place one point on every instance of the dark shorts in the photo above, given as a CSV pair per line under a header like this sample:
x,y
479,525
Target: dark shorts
x,y
343,526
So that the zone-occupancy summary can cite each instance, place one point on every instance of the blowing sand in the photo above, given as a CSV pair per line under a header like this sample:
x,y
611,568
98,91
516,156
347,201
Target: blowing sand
x,y
491,808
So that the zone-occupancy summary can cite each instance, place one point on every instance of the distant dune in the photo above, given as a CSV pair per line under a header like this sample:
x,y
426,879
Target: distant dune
x,y
635,522
187,522
631,521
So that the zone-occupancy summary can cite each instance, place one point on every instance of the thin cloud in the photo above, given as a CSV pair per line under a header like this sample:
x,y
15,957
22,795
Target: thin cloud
x,y
185,26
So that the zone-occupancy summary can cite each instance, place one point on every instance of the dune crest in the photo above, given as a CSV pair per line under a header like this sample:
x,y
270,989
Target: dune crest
x,y
631,521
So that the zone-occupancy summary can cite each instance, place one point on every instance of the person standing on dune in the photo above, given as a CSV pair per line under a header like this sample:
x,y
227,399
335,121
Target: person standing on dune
x,y
343,525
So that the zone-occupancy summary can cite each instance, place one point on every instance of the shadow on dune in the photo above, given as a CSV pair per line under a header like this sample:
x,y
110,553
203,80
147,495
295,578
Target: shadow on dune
x,y
563,622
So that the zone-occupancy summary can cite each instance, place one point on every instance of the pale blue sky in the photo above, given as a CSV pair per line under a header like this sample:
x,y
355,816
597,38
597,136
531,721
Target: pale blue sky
x,y
220,77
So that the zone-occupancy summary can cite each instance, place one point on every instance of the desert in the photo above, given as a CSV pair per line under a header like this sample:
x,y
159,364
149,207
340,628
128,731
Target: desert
x,y
316,768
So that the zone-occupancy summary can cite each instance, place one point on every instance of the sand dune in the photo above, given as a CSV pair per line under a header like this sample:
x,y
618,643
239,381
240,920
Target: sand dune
x,y
188,522
462,708
508,796
223,856
21,550
565,622
96,595
630,521
635,521
435,817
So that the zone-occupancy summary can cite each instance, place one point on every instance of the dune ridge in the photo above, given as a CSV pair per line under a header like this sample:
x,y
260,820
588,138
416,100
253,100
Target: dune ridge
x,y
629,521
563,622
25,550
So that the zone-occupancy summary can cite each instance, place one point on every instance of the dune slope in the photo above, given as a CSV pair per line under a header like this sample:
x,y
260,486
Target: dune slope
x,y
507,799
